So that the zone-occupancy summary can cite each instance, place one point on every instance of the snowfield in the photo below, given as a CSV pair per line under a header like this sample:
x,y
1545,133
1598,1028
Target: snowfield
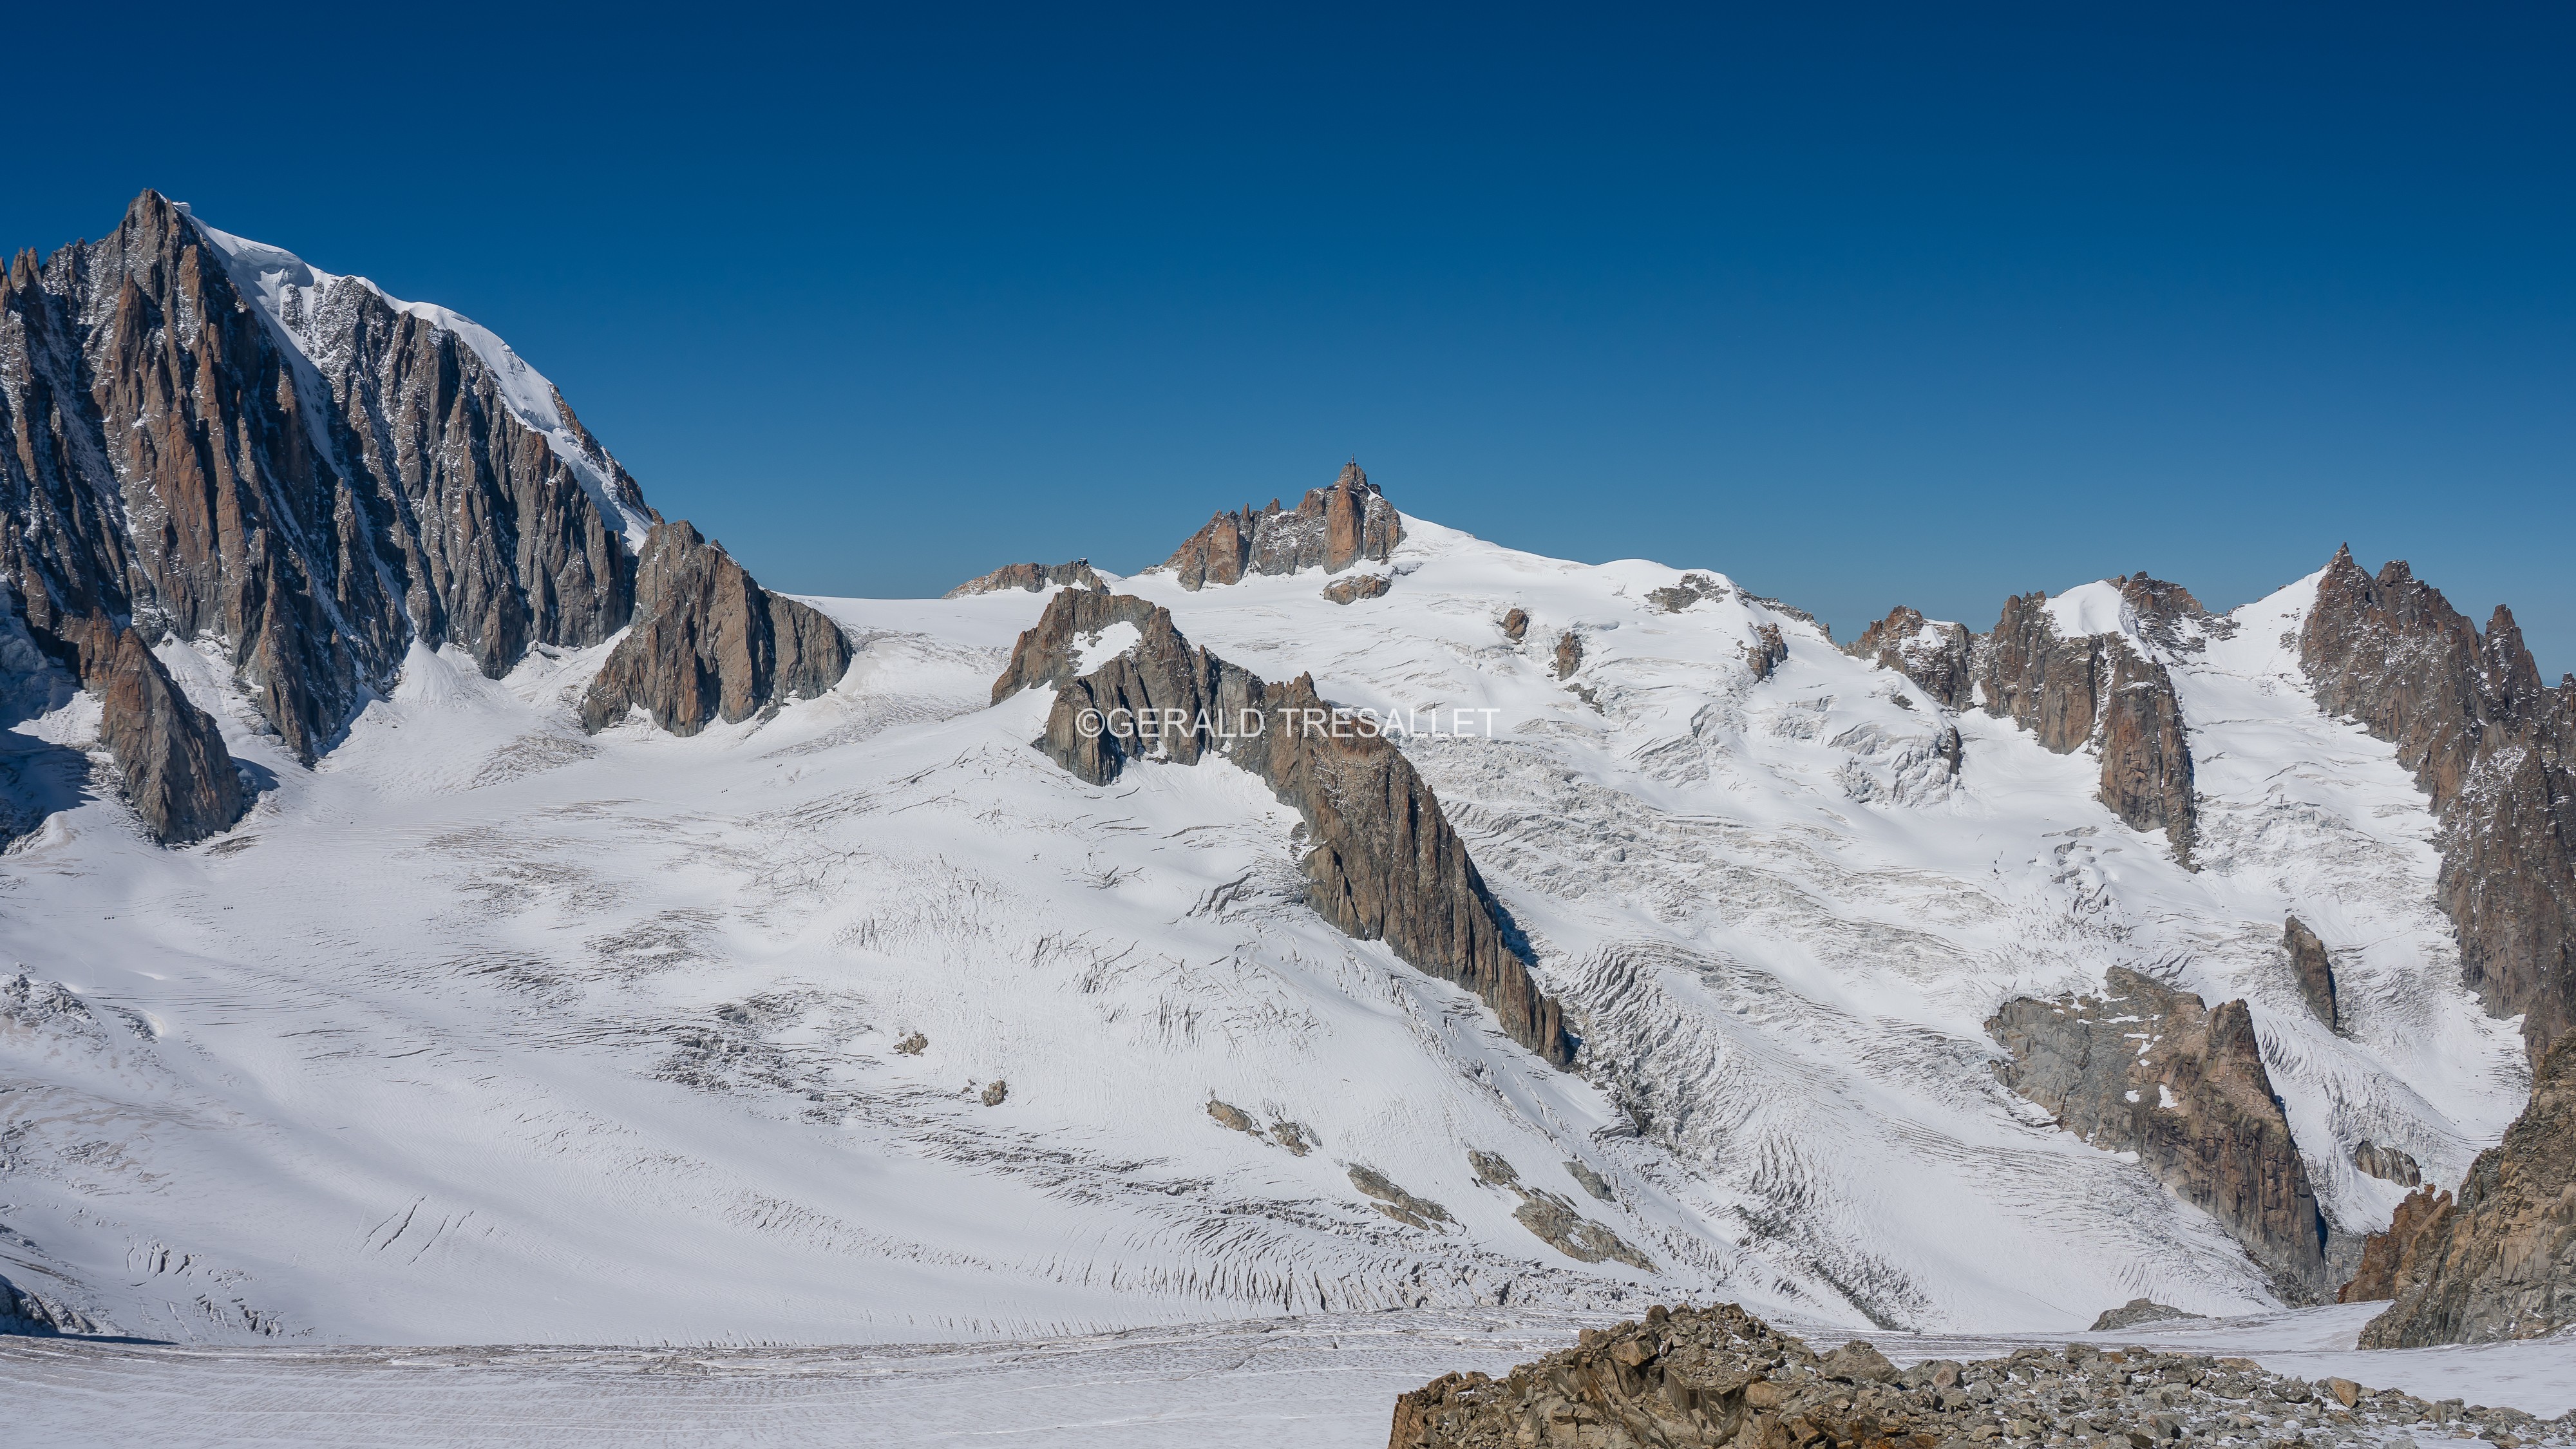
x,y
1326,1380
485,1031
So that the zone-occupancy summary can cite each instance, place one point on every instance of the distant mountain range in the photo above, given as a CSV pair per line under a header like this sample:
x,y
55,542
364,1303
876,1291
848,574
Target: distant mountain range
x,y
451,902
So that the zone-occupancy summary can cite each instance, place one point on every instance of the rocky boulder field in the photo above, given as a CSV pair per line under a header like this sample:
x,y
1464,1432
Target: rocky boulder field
x,y
1711,1376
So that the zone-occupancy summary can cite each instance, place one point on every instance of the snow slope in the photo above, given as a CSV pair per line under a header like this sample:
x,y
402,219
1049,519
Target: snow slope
x,y
487,1031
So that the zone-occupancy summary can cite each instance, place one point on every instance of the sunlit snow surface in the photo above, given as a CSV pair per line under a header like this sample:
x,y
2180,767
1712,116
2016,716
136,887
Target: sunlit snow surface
x,y
1325,1381
485,1031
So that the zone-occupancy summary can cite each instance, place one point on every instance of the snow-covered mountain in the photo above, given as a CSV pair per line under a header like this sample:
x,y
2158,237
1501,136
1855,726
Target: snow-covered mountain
x,y
610,951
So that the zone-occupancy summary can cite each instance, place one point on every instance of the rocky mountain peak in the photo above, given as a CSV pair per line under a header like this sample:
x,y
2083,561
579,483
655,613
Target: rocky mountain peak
x,y
1331,528
217,442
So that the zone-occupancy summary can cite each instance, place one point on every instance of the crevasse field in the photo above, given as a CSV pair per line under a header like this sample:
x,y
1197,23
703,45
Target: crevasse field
x,y
485,1031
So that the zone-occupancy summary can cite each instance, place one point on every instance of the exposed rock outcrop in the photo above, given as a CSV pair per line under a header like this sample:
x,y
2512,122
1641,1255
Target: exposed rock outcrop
x,y
1331,528
2492,747
1516,624
2094,690
2135,1312
2387,1163
1383,862
2313,968
1701,1378
1395,1202
1931,653
313,487
1357,587
1569,654
1551,1217
2495,751
170,756
1768,651
2499,1261
1032,578
1692,589
709,643
2195,1104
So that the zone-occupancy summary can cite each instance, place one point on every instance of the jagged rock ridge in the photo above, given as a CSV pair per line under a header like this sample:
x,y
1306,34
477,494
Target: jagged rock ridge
x,y
710,644
1034,578
1383,863
2095,690
1331,528
2149,1069
314,489
209,439
2492,747
1931,653
2499,1260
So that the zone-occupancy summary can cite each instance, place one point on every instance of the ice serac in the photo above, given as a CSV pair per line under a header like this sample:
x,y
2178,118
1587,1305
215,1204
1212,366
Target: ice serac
x,y
1383,863
2499,1260
2194,1102
1331,528
2096,690
207,437
2496,752
709,643
1931,653
1034,578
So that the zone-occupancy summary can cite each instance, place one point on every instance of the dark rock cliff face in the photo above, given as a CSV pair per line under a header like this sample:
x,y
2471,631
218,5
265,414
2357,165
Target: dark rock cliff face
x,y
710,644
2314,969
1933,655
2499,1261
1384,863
169,754
1331,528
205,437
2196,1106
2493,748
173,458
2094,690
1032,578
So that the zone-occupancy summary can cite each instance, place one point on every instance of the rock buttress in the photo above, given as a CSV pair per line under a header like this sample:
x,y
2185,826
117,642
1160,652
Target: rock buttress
x,y
169,754
2499,1260
2493,749
709,643
1932,654
2094,690
2196,1106
1384,862
1331,528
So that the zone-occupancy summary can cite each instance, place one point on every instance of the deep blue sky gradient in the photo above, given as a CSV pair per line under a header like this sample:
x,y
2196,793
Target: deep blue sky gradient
x,y
1860,304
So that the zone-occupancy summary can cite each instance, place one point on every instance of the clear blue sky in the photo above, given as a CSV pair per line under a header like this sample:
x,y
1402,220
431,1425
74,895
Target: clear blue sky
x,y
1861,304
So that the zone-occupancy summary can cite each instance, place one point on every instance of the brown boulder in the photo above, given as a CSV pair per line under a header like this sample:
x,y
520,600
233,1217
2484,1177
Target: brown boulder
x,y
709,643
1358,587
